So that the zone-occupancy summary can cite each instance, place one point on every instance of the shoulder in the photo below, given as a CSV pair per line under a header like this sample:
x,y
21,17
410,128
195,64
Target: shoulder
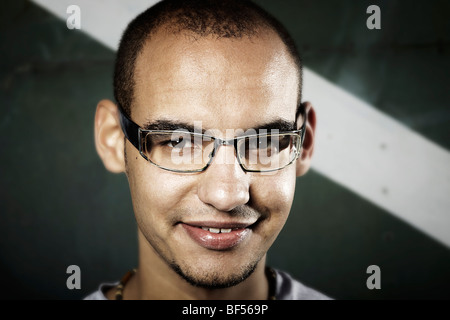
x,y
287,288
100,293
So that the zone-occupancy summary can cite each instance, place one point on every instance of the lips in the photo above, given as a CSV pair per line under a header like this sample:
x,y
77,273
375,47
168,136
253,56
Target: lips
x,y
217,236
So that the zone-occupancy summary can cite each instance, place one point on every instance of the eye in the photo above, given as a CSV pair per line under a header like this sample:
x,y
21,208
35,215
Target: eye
x,y
284,142
264,142
261,142
179,142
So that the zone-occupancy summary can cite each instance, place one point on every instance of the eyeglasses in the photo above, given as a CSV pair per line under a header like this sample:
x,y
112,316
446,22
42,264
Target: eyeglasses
x,y
187,152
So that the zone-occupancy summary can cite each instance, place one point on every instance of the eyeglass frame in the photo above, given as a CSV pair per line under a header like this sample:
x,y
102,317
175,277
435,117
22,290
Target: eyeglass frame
x,y
133,133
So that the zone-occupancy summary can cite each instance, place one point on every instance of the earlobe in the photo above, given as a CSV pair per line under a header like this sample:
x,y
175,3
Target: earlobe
x,y
304,160
109,138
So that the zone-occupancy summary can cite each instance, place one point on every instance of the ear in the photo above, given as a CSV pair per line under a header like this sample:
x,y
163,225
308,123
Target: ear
x,y
304,160
109,138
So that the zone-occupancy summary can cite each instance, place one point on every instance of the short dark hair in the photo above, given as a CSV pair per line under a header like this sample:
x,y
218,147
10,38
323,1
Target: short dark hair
x,y
221,18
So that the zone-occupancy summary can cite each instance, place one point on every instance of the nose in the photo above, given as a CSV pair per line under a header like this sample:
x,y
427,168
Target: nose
x,y
224,184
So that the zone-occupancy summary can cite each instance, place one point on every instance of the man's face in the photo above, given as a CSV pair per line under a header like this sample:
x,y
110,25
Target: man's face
x,y
227,84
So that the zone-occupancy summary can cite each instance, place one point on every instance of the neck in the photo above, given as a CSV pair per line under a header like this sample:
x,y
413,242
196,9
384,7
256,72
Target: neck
x,y
155,280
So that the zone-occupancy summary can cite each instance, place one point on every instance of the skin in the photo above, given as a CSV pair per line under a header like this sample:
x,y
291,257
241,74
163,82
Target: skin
x,y
225,84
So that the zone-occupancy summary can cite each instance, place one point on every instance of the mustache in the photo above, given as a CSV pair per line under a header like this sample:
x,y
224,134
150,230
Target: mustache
x,y
242,212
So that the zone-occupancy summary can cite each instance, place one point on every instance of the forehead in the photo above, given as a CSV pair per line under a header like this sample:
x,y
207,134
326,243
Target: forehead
x,y
224,83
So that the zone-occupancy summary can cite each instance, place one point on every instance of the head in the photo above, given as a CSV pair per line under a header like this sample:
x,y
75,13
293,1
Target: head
x,y
230,66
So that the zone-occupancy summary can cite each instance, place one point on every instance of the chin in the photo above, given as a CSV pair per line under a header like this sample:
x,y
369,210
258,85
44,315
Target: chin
x,y
214,279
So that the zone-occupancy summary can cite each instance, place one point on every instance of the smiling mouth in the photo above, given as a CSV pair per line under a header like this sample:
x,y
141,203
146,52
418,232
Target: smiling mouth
x,y
218,236
217,230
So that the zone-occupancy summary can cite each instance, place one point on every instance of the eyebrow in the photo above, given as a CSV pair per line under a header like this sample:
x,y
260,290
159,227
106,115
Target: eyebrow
x,y
172,125
278,124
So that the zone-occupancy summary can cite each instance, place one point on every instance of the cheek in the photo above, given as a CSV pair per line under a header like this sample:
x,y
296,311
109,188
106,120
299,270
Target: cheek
x,y
155,192
275,193
273,196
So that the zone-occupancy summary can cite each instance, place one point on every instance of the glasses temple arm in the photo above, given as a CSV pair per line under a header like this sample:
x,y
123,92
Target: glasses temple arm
x,y
302,111
129,128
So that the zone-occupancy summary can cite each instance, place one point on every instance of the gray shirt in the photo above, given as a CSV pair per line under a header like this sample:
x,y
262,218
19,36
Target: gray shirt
x,y
286,288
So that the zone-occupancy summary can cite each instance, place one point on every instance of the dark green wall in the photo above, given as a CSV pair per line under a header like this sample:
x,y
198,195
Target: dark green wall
x,y
59,206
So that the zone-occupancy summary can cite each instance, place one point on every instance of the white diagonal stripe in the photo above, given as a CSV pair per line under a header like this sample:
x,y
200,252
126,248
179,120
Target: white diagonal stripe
x,y
358,147
380,159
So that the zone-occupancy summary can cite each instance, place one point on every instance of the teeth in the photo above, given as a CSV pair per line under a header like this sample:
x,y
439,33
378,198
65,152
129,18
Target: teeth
x,y
216,230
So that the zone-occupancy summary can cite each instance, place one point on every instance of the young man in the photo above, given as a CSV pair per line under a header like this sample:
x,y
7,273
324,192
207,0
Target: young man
x,y
209,129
